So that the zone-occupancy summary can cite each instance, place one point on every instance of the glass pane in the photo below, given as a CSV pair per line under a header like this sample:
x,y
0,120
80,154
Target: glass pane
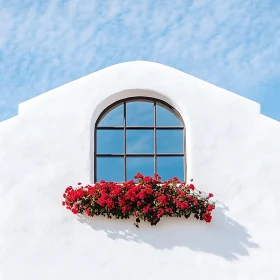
x,y
144,165
165,117
139,141
110,169
113,117
139,113
170,166
169,141
110,141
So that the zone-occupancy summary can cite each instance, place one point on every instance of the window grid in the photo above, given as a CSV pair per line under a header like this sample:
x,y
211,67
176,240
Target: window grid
x,y
125,128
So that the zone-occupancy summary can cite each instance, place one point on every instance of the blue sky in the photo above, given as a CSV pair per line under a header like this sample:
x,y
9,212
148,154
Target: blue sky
x,y
234,44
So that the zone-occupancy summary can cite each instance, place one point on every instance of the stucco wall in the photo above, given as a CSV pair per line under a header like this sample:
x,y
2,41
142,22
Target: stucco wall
x,y
232,151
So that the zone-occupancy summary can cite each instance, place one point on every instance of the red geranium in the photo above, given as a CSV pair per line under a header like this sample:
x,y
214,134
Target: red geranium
x,y
149,199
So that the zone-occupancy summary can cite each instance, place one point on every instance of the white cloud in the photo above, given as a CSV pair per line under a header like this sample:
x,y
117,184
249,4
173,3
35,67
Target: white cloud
x,y
234,44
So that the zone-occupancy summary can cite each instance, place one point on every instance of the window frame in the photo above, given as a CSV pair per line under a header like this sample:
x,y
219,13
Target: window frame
x,y
124,155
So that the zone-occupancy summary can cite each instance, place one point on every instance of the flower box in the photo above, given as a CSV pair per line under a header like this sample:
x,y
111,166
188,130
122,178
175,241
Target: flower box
x,y
149,199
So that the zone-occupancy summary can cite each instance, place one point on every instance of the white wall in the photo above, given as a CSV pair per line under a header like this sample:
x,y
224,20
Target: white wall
x,y
232,151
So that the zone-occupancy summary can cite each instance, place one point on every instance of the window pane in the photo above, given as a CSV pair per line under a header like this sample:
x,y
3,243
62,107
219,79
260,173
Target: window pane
x,y
114,117
165,117
139,113
110,141
110,169
170,141
139,141
170,166
144,165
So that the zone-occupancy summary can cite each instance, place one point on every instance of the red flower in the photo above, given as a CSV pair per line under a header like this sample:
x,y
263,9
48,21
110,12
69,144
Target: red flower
x,y
162,200
184,205
110,204
160,212
210,195
210,207
79,183
156,176
146,208
101,201
75,211
149,190
87,211
191,186
207,217
138,176
122,202
68,189
148,179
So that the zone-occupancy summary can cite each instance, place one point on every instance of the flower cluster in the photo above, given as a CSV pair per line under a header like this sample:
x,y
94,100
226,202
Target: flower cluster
x,y
149,199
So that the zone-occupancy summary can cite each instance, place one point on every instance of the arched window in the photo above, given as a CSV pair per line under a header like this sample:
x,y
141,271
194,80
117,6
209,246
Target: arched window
x,y
139,134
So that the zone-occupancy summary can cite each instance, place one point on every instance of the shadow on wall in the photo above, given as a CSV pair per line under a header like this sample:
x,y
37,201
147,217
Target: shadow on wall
x,y
223,237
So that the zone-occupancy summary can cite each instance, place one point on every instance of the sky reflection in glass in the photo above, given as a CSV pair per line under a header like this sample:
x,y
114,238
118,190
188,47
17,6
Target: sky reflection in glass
x,y
165,117
139,113
110,169
170,141
168,167
144,165
115,117
139,141
110,141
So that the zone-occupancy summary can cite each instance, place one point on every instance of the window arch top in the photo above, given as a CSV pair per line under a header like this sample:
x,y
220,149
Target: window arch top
x,y
139,112
139,135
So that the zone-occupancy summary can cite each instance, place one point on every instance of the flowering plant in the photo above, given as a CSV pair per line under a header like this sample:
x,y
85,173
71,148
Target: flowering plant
x,y
148,200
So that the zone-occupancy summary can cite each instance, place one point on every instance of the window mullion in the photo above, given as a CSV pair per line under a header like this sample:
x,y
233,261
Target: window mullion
x,y
124,111
155,135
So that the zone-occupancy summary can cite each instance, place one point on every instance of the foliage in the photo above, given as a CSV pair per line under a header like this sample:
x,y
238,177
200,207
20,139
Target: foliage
x,y
149,199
